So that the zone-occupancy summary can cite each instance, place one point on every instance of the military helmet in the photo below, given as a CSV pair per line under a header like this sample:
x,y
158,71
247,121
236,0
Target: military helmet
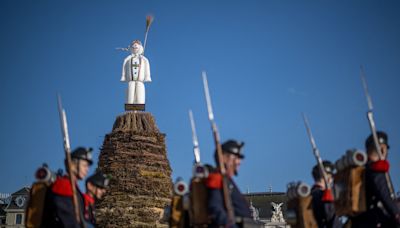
x,y
99,180
382,139
233,147
329,169
82,153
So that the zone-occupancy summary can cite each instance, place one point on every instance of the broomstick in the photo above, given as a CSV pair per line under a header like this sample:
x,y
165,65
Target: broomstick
x,y
149,21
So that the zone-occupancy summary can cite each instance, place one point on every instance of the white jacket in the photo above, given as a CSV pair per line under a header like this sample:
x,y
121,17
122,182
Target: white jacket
x,y
135,69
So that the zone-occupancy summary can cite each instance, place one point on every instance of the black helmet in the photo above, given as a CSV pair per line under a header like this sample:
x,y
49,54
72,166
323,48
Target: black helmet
x,y
99,180
82,153
233,147
382,139
329,169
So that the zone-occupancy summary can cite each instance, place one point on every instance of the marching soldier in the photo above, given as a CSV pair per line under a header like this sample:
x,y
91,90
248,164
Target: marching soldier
x,y
382,210
96,187
59,208
322,198
232,156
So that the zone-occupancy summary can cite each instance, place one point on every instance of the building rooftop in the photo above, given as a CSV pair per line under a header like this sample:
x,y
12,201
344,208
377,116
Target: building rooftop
x,y
262,202
19,199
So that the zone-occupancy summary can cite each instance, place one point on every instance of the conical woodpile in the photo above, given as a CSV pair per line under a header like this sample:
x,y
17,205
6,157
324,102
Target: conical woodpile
x,y
134,154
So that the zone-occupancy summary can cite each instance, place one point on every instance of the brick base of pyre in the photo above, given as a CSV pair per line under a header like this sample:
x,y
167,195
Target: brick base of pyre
x,y
134,154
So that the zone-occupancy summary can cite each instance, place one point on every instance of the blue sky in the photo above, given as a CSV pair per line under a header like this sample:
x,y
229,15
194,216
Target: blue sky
x,y
267,61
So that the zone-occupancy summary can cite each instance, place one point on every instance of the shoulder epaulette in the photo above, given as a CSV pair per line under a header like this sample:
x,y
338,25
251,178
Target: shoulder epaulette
x,y
381,166
327,196
62,186
214,180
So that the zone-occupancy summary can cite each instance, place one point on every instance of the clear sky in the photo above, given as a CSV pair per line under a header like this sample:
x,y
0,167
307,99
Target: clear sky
x,y
267,61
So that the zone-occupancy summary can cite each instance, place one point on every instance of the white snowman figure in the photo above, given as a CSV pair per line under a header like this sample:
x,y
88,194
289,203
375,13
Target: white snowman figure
x,y
136,71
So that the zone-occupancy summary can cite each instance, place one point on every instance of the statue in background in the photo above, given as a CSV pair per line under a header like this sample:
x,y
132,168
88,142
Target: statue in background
x,y
255,214
277,215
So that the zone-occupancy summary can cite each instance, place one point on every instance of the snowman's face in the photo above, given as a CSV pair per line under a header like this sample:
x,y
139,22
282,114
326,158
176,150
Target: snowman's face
x,y
136,49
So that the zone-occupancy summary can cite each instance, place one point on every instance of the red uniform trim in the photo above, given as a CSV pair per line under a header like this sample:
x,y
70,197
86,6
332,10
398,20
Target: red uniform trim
x,y
327,196
214,181
381,166
62,186
89,200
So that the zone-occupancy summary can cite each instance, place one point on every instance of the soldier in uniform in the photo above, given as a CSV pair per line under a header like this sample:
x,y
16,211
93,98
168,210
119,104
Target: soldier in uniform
x,y
322,198
96,187
382,210
59,209
232,156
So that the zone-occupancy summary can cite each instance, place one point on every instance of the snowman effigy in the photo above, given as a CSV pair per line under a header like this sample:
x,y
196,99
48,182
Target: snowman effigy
x,y
135,72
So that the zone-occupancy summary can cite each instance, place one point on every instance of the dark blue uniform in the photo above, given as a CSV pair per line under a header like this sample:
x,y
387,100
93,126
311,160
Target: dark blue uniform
x,y
59,209
216,208
324,210
382,210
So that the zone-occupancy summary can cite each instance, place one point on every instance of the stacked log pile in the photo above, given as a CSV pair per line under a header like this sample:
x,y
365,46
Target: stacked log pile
x,y
134,154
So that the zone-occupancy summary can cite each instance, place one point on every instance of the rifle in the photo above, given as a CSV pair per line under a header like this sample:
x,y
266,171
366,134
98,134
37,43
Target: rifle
x,y
67,150
316,152
372,126
220,164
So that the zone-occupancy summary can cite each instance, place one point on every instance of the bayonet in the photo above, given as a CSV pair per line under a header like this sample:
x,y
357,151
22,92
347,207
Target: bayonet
x,y
196,149
208,98
370,114
316,151
365,86
221,166
64,125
